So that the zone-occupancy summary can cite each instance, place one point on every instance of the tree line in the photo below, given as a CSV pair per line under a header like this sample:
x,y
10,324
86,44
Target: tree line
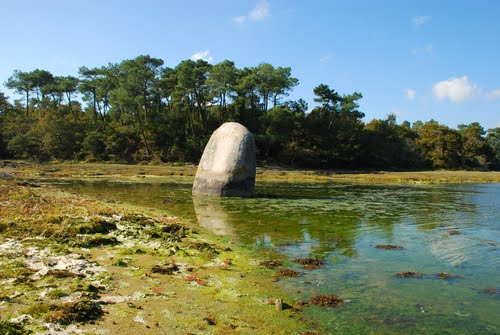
x,y
140,110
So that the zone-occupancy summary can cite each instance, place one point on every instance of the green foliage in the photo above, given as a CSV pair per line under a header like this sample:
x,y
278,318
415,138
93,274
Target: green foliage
x,y
475,148
94,145
441,146
334,128
385,143
27,146
139,110
4,103
493,140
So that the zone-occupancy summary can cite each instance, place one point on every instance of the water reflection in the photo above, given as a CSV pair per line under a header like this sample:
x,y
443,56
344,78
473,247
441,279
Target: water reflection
x,y
289,221
211,215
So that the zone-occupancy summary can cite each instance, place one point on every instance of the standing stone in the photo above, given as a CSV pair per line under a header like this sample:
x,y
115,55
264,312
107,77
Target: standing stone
x,y
227,166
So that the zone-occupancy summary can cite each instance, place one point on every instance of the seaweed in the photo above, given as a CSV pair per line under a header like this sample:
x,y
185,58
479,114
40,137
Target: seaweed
x,y
139,219
56,294
287,273
122,262
80,311
310,263
204,247
57,273
9,328
489,290
95,226
327,300
271,264
409,274
444,275
96,240
21,274
165,270
389,247
175,229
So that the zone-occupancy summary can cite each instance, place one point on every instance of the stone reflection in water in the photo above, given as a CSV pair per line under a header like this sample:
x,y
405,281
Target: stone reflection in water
x,y
273,227
211,215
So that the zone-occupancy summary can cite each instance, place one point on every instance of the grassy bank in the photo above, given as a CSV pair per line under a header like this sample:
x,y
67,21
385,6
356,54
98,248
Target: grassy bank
x,y
84,265
22,169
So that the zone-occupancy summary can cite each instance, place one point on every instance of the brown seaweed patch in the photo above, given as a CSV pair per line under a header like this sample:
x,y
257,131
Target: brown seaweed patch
x,y
444,275
287,273
453,232
309,263
327,300
80,311
389,247
204,247
303,303
490,290
409,274
271,264
165,270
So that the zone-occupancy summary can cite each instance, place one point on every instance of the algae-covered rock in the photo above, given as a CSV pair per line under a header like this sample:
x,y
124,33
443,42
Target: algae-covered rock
x,y
227,166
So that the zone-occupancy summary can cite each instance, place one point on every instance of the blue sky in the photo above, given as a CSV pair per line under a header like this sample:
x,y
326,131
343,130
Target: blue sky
x,y
417,59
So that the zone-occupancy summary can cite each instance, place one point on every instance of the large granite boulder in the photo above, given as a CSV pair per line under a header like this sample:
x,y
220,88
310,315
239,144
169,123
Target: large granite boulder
x,y
227,166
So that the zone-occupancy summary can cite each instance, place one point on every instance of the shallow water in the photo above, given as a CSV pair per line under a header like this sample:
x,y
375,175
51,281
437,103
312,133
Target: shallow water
x,y
342,224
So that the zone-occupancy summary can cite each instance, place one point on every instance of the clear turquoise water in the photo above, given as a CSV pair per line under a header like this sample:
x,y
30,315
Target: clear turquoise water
x,y
342,223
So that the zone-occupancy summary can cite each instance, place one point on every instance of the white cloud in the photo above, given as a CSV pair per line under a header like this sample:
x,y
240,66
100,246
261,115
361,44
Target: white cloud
x,y
240,19
258,13
455,89
493,95
205,55
411,93
425,50
326,59
420,20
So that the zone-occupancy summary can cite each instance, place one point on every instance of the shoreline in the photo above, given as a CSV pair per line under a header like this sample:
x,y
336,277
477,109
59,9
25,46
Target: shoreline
x,y
79,170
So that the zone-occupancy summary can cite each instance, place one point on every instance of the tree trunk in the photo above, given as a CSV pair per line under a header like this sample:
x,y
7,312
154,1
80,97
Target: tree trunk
x,y
95,104
27,102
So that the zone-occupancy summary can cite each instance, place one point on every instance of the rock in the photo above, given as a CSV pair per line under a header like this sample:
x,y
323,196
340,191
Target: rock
x,y
227,166
278,304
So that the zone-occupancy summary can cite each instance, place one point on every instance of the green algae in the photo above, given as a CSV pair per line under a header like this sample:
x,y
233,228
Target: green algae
x,y
144,242
341,224
338,223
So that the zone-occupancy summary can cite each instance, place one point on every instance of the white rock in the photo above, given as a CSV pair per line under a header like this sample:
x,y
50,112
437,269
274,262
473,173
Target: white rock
x,y
227,166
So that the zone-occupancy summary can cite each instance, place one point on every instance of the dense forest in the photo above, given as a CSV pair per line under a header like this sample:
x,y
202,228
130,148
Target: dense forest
x,y
139,110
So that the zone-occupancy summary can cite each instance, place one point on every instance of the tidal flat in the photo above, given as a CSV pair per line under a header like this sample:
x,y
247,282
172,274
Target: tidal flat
x,y
73,264
105,248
